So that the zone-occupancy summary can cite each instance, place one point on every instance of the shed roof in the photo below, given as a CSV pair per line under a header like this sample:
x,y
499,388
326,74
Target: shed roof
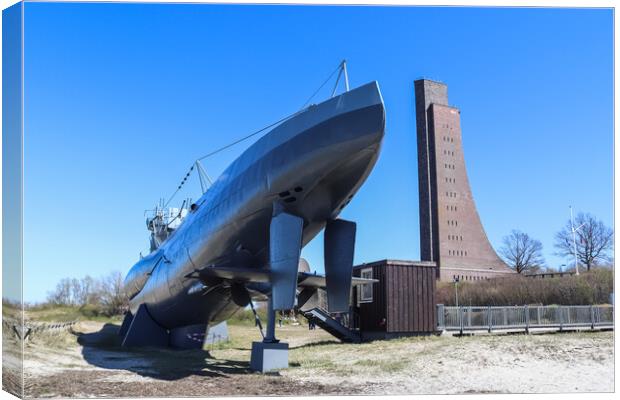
x,y
397,262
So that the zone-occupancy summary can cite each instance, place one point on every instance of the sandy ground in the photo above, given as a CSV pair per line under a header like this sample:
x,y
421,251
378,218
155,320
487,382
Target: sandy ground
x,y
88,362
550,363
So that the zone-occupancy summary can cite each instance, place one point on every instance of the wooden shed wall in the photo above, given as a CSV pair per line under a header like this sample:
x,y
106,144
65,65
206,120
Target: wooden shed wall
x,y
371,314
404,296
410,298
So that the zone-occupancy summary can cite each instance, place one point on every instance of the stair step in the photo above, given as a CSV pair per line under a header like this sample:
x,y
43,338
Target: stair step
x,y
331,326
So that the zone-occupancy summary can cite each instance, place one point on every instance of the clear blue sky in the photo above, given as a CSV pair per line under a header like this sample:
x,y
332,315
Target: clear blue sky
x,y
121,98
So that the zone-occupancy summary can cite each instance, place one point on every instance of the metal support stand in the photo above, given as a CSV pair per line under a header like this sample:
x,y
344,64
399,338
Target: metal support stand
x,y
346,75
257,319
269,354
343,70
270,336
203,177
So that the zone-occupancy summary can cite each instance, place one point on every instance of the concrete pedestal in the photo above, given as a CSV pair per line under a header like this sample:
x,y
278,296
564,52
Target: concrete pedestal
x,y
269,356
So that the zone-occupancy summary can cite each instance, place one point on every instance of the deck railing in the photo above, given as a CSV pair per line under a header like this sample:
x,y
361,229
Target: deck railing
x,y
490,318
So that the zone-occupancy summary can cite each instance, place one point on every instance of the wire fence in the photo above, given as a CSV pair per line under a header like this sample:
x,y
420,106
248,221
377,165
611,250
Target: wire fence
x,y
25,331
490,318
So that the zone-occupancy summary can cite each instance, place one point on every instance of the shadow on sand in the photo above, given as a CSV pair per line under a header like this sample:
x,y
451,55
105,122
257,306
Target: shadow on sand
x,y
103,349
317,344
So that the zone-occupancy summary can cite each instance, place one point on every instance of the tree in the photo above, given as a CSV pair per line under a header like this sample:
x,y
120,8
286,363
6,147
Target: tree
x,y
594,240
84,291
105,293
112,296
62,294
521,252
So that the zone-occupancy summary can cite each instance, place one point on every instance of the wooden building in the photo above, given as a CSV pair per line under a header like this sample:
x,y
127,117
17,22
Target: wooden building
x,y
401,303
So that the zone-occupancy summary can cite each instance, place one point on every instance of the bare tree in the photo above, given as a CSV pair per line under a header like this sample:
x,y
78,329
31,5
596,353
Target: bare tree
x,y
594,240
85,291
105,293
521,252
76,289
62,293
112,295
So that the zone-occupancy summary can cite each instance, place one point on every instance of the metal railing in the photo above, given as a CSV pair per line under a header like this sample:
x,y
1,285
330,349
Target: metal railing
x,y
490,318
349,319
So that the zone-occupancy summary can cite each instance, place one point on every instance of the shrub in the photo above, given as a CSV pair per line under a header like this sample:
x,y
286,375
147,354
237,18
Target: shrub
x,y
91,310
592,287
97,297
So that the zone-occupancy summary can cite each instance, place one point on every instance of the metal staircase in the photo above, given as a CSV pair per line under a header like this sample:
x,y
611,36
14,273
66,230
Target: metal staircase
x,y
325,321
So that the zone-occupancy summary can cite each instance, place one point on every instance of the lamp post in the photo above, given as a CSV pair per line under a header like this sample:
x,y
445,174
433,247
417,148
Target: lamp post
x,y
574,231
456,288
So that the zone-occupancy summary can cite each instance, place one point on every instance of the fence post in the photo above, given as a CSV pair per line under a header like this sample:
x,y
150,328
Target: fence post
x,y
505,316
561,319
527,319
538,315
469,317
461,318
592,317
490,318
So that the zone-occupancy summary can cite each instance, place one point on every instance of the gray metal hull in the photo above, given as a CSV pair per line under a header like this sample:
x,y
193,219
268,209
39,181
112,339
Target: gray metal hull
x,y
312,164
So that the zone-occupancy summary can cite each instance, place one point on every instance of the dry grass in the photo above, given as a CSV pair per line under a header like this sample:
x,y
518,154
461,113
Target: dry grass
x,y
66,314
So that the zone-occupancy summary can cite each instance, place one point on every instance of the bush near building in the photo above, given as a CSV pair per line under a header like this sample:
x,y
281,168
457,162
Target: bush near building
x,y
592,287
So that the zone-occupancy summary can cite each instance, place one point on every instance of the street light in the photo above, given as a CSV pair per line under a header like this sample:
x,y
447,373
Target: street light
x,y
456,288
574,230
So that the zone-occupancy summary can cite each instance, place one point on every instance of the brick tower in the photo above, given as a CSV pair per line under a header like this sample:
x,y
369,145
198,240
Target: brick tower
x,y
451,233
